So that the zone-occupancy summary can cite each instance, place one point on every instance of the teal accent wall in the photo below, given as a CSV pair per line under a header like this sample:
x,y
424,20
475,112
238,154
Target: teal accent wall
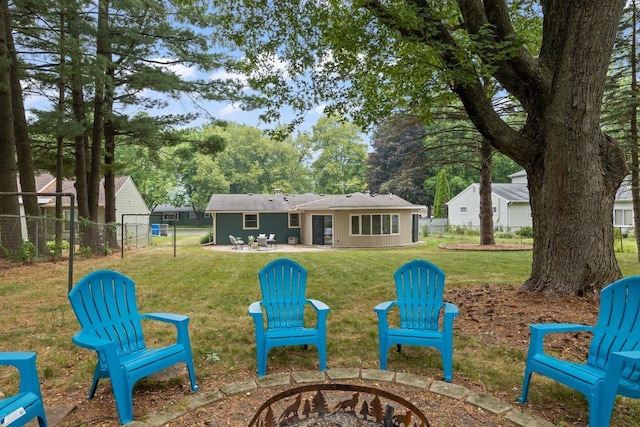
x,y
232,223
156,218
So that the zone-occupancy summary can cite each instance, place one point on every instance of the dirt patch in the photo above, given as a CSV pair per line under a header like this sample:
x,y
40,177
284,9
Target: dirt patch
x,y
493,315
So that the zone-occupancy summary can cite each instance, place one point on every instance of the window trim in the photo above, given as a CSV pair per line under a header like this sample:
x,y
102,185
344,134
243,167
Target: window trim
x,y
292,214
375,224
462,210
244,220
624,213
170,216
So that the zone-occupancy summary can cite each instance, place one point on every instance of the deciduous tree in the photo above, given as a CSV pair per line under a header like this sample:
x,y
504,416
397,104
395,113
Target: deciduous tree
x,y
371,58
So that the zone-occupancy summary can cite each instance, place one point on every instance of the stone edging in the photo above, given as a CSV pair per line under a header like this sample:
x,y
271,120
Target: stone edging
x,y
454,391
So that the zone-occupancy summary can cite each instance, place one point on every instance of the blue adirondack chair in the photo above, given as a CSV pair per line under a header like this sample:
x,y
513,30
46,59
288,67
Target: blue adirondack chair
x,y
20,408
613,364
105,304
283,284
419,288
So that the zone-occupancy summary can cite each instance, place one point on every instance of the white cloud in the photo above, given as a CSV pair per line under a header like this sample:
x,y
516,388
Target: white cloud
x,y
181,70
230,109
319,110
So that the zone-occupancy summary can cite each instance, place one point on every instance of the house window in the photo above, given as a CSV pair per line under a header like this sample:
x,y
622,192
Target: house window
x,y
207,214
370,225
192,214
463,210
495,210
623,217
250,221
294,220
170,216
67,218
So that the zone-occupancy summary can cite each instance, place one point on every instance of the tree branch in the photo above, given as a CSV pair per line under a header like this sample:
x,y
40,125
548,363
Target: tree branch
x,y
465,81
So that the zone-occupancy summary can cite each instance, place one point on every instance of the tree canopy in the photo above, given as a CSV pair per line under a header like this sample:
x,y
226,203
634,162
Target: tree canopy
x,y
370,59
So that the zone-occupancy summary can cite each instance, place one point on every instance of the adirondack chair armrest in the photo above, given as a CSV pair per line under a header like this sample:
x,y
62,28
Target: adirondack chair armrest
x,y
180,321
383,307
106,349
381,310
255,310
321,308
539,330
91,341
318,305
175,319
25,362
450,312
450,309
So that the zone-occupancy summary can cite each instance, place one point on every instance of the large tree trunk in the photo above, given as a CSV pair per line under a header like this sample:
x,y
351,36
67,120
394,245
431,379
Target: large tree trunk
x,y
89,236
486,202
10,231
111,237
633,131
35,226
578,162
573,168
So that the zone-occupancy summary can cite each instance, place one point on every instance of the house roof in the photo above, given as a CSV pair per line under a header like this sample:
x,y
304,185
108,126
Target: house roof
x,y
301,202
624,191
511,192
46,183
165,207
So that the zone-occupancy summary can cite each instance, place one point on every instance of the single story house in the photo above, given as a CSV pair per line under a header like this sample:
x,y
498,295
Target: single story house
x,y
348,220
166,214
511,209
131,208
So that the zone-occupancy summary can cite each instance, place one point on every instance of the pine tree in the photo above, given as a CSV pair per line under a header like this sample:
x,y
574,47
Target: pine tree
x,y
442,195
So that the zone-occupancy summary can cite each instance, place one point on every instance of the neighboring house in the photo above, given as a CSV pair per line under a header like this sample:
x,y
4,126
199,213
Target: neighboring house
x,y
347,220
130,206
511,209
623,208
166,214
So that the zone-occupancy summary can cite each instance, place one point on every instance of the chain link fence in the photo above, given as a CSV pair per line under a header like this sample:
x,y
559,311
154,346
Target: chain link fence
x,y
39,243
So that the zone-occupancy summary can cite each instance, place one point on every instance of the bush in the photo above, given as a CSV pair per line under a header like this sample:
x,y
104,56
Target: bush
x,y
51,244
504,235
207,238
27,251
525,232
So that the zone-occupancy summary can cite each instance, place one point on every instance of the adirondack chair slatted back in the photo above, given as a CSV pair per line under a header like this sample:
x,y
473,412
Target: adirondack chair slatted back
x,y
419,287
105,304
618,326
283,284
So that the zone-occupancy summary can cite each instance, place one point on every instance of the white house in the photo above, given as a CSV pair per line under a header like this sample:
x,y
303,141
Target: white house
x,y
511,208
131,208
623,207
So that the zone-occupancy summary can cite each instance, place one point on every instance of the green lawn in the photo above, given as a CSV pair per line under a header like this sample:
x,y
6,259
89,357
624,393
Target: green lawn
x,y
215,288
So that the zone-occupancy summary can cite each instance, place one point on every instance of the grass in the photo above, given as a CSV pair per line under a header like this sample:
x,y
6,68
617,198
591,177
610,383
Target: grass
x,y
215,288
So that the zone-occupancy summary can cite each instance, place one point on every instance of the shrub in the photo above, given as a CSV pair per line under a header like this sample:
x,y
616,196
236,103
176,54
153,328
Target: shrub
x,y
207,238
27,251
51,244
525,232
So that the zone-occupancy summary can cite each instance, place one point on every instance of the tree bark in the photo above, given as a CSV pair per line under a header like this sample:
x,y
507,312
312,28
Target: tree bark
x,y
486,202
35,226
574,169
89,236
10,231
633,131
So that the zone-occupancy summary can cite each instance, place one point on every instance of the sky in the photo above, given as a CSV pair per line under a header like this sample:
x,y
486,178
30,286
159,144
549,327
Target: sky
x,y
208,110
227,110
